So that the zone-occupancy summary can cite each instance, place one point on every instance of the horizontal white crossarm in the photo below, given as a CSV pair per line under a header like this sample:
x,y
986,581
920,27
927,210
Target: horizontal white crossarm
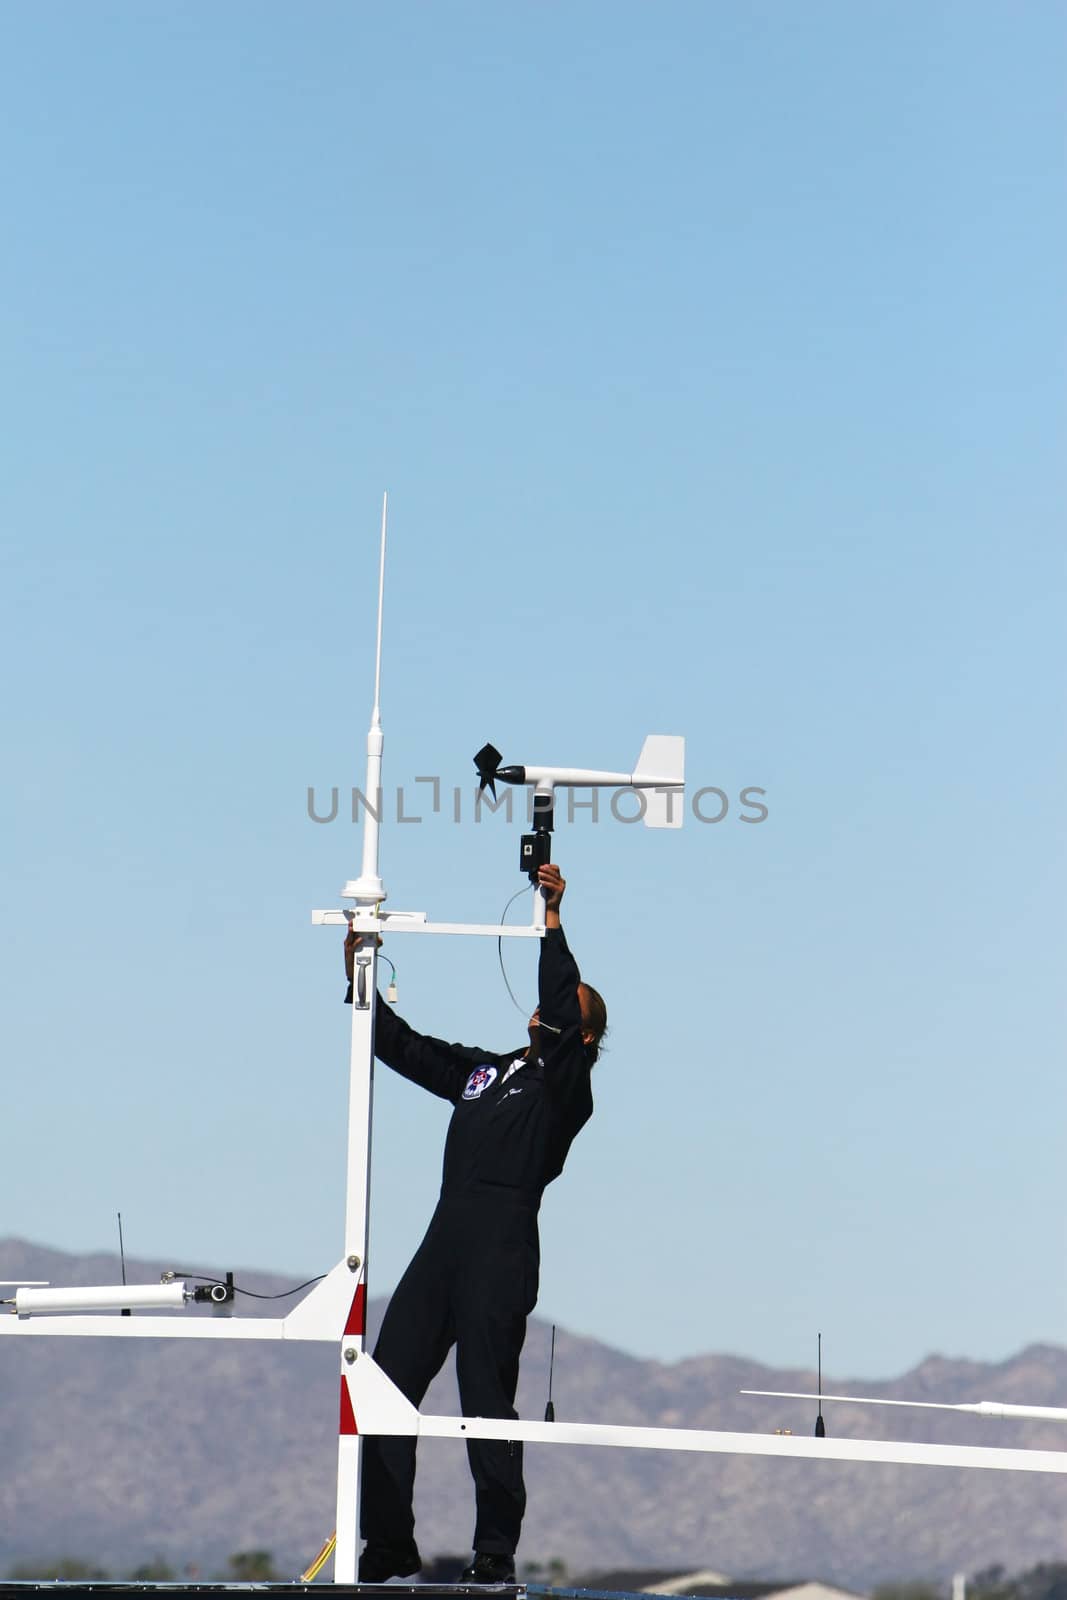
x,y
415,922
751,1444
977,1408
320,1315
112,1325
489,930
380,1408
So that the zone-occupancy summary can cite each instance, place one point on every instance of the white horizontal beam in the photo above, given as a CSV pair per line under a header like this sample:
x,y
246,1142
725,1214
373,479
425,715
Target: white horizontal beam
x,y
319,1315
414,922
115,1326
752,1444
491,930
400,1417
380,1408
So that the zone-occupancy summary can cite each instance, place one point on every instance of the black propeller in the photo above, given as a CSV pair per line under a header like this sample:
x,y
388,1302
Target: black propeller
x,y
487,762
489,769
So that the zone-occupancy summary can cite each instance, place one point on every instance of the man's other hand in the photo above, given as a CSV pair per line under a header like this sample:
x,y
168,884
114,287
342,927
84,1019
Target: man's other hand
x,y
552,884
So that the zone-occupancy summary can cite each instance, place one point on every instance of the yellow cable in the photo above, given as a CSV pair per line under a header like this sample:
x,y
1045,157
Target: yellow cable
x,y
320,1560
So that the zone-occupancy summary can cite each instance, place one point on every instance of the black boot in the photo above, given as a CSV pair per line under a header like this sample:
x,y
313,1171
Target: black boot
x,y
486,1568
380,1562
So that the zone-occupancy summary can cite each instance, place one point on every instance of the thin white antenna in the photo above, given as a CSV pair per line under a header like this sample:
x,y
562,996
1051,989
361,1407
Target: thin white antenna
x,y
376,720
368,889
979,1408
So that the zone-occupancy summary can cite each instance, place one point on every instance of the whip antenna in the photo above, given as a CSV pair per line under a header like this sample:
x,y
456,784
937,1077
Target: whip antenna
x,y
368,889
376,714
122,1260
820,1425
550,1410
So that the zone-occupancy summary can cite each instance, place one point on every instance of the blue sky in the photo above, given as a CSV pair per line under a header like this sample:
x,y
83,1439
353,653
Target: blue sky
x,y
713,358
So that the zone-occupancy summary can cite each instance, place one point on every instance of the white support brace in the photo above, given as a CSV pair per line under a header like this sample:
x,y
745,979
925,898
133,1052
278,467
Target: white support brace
x,y
321,1315
380,1408
749,1444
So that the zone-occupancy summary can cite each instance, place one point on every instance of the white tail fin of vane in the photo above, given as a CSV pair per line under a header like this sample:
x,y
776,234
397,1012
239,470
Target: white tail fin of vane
x,y
661,767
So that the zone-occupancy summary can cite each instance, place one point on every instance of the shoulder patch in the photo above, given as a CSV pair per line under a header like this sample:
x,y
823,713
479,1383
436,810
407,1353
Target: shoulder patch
x,y
480,1080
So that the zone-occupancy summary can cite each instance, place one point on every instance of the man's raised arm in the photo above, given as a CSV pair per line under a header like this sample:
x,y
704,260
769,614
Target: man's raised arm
x,y
557,972
433,1064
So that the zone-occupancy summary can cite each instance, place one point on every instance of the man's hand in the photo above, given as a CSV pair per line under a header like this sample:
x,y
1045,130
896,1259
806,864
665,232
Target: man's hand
x,y
552,885
353,942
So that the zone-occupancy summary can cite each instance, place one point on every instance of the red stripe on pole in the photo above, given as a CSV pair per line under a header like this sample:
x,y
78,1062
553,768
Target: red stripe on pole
x,y
357,1316
348,1416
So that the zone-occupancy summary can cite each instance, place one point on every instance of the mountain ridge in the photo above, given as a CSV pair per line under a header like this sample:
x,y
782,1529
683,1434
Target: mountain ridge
x,y
123,1451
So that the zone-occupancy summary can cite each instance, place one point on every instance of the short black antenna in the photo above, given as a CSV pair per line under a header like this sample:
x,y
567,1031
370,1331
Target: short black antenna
x,y
550,1410
122,1256
820,1425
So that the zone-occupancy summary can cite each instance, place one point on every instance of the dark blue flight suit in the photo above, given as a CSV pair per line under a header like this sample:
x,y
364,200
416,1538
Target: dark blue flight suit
x,y
473,1279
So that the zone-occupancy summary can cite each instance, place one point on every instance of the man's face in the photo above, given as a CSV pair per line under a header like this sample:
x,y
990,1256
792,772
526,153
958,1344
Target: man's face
x,y
534,1024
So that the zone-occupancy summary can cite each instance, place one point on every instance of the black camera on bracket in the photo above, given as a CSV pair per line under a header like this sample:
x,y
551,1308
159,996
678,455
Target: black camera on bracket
x,y
216,1294
535,850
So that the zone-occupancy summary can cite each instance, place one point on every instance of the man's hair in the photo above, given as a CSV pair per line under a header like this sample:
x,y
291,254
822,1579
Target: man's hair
x,y
596,1019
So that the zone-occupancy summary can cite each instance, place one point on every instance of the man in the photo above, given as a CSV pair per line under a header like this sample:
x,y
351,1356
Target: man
x,y
473,1279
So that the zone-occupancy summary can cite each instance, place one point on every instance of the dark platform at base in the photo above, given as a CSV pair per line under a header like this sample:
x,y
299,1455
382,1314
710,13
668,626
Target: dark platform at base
x,y
176,1591
21,1589
71,1589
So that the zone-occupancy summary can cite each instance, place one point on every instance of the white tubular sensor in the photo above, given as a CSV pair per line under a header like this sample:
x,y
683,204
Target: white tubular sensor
x,y
109,1297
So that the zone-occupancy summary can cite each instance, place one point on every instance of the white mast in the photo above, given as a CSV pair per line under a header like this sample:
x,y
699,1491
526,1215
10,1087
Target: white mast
x,y
368,893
